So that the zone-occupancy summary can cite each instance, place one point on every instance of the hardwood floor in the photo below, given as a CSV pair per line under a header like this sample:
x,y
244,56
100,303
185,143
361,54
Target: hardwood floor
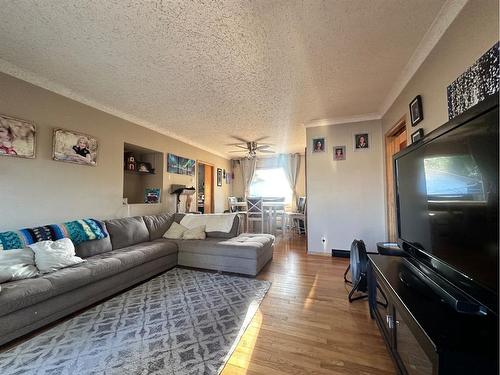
x,y
305,325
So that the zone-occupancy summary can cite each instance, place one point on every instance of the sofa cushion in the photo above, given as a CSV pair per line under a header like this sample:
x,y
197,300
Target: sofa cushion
x,y
216,234
158,224
196,233
127,231
53,255
91,248
19,294
132,256
175,231
214,246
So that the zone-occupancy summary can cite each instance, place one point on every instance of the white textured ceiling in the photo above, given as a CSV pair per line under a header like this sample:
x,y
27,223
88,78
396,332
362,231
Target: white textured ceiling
x,y
205,70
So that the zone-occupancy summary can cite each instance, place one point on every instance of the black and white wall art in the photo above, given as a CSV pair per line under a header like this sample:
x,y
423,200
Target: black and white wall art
x,y
474,85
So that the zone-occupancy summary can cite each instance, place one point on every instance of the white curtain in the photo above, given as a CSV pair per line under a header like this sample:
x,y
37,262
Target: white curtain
x,y
290,164
247,172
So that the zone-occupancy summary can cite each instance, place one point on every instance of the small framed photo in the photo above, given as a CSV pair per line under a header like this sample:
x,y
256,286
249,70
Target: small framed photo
x,y
416,112
339,153
417,136
17,137
361,141
319,144
73,147
219,177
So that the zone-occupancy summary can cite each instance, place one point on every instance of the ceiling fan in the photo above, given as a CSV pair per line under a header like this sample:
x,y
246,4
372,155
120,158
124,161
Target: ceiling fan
x,y
251,148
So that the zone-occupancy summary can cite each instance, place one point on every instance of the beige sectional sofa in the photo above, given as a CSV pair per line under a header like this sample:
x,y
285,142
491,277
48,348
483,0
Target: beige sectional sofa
x,y
133,252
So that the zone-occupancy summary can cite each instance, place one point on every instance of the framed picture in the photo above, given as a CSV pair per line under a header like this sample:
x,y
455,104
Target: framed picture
x,y
417,136
17,137
172,163
339,153
152,195
219,177
416,112
361,141
73,147
319,144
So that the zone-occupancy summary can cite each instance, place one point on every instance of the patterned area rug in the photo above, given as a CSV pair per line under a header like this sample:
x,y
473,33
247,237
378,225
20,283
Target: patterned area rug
x,y
181,322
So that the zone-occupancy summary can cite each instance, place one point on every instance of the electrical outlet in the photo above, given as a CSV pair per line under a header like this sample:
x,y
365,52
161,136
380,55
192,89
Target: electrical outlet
x,y
323,241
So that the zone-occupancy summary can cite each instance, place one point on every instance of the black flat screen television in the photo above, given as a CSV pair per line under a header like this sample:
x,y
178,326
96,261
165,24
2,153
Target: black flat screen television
x,y
447,201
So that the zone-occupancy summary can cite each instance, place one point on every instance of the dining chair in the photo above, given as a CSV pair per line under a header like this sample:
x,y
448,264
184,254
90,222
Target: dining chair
x,y
232,201
255,212
297,219
276,212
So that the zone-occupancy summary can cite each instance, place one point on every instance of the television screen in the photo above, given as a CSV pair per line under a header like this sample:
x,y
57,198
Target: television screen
x,y
447,198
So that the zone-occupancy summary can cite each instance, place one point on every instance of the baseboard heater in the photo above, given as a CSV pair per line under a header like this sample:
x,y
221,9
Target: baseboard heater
x,y
341,253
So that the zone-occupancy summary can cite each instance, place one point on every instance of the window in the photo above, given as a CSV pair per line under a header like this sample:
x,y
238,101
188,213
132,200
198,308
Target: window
x,y
271,182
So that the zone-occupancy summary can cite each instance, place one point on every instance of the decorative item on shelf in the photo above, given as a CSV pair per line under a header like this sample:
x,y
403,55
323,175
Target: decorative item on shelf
x,y
339,153
144,167
478,82
319,144
152,195
361,141
417,136
17,137
73,147
416,111
130,163
219,177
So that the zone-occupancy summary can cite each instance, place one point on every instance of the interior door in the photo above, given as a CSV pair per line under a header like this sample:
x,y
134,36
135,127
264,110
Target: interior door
x,y
395,140
209,189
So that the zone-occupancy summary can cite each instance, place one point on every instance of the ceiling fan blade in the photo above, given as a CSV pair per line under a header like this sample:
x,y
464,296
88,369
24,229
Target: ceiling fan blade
x,y
234,151
266,151
260,147
240,139
239,146
261,138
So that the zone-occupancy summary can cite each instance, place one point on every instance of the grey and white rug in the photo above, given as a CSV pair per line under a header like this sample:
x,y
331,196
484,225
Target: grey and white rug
x,y
181,322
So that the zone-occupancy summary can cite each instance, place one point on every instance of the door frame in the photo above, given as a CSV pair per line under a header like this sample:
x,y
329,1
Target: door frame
x,y
390,195
212,193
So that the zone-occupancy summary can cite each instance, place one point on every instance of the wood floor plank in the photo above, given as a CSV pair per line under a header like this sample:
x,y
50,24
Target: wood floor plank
x,y
306,325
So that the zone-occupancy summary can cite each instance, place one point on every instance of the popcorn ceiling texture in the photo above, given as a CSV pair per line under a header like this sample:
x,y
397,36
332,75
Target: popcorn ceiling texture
x,y
205,70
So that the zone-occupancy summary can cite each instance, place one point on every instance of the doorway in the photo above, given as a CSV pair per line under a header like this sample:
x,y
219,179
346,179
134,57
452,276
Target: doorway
x,y
396,140
205,188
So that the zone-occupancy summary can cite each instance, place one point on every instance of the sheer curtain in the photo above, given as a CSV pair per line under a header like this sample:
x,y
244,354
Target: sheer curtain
x,y
247,172
290,164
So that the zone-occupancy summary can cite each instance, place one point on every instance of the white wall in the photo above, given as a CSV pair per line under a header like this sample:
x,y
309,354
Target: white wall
x,y
42,191
345,198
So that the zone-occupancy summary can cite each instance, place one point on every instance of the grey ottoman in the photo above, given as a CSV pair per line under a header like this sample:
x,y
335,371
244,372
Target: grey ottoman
x,y
246,254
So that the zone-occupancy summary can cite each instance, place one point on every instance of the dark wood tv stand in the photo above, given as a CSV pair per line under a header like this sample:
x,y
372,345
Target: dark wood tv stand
x,y
423,334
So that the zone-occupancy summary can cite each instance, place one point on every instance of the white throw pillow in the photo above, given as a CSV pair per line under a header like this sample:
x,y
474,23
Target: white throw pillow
x,y
175,231
53,255
196,233
17,264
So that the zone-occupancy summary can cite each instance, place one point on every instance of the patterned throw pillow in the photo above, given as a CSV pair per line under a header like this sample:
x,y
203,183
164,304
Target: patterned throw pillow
x,y
77,231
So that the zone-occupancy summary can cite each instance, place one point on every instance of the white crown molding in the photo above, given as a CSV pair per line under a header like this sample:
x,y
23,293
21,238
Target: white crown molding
x,y
13,70
343,120
446,15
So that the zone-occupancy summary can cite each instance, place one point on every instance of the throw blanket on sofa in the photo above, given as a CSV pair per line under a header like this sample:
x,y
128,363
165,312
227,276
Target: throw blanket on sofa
x,y
212,222
77,231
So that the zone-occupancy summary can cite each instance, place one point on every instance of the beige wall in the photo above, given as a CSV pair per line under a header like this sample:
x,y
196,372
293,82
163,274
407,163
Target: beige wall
x,y
42,191
471,34
345,198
